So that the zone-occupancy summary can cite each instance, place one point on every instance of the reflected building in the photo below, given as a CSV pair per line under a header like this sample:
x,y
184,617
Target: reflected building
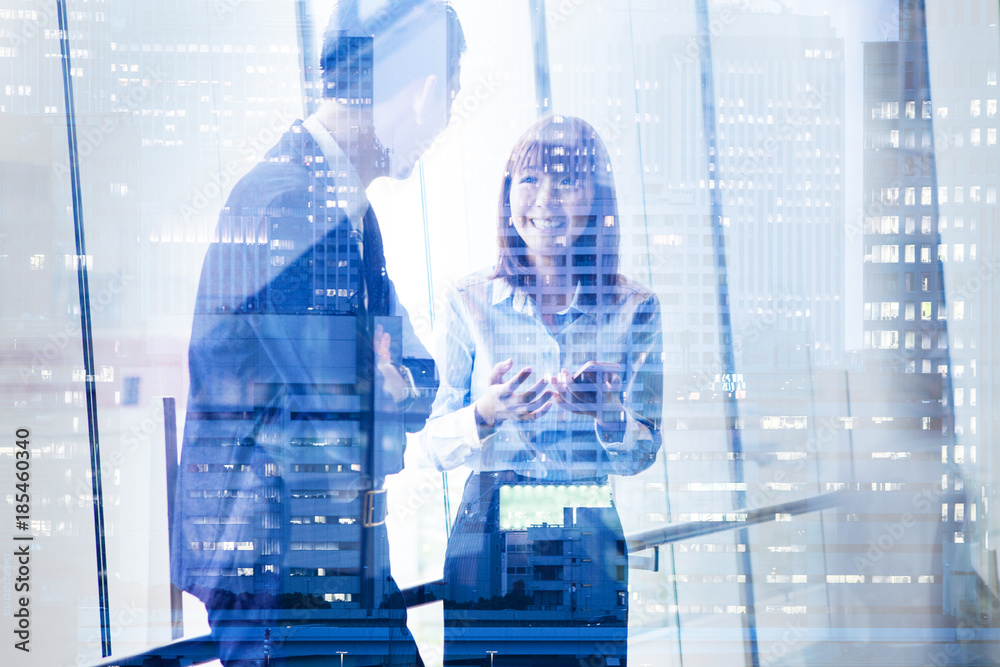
x,y
779,109
542,575
556,566
905,309
963,69
870,569
931,251
781,163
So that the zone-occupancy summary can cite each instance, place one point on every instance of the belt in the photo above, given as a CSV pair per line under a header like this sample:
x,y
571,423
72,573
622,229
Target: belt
x,y
373,509
524,505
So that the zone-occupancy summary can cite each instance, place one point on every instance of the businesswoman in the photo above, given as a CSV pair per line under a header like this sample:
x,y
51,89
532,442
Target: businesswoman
x,y
551,382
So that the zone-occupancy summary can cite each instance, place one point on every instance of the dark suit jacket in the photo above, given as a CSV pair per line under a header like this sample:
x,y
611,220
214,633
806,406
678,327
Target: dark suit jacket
x,y
288,435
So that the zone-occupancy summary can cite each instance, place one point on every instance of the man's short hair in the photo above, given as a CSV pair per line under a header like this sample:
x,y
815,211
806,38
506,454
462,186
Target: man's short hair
x,y
408,40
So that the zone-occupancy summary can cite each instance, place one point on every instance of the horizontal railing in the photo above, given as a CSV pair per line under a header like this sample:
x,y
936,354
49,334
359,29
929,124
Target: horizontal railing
x,y
198,650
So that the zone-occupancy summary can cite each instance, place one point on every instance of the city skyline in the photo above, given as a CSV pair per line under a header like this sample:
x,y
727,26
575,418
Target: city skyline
x,y
174,106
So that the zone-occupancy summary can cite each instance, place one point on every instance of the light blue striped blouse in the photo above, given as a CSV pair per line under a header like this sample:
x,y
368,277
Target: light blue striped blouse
x,y
486,320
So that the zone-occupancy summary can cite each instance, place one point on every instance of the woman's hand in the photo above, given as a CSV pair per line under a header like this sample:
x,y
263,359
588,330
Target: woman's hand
x,y
595,390
501,402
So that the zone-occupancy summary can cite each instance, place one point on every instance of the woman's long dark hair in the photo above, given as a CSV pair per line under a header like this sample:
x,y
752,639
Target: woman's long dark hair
x,y
570,145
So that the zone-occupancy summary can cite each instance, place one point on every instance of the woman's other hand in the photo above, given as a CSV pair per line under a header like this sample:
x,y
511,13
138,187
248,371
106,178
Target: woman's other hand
x,y
595,390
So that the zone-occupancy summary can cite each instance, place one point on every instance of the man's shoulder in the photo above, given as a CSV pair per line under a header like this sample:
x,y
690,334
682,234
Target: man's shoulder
x,y
269,181
283,172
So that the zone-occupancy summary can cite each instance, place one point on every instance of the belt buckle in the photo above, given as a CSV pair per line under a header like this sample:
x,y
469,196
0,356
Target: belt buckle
x,y
368,511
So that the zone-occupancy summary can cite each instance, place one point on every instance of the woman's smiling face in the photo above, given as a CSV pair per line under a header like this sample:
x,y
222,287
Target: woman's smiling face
x,y
549,207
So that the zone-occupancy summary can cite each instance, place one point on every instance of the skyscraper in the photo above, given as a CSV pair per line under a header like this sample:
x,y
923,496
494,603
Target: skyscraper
x,y
930,252
778,109
905,310
963,67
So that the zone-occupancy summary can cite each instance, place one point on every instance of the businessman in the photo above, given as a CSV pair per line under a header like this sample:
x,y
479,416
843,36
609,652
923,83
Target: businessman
x,y
305,372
